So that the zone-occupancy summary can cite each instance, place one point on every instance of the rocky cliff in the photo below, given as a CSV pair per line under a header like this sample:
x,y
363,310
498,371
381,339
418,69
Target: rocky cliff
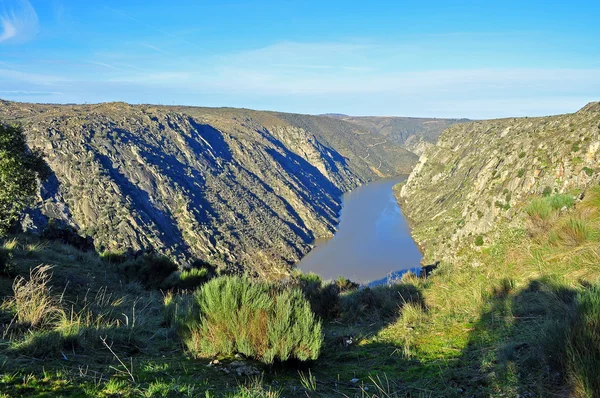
x,y
481,172
229,186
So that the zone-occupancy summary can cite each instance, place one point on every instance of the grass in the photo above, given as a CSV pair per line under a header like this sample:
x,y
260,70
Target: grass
x,y
583,348
516,316
32,301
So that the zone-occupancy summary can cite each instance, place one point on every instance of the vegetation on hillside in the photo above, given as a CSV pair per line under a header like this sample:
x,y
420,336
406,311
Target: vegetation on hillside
x,y
20,169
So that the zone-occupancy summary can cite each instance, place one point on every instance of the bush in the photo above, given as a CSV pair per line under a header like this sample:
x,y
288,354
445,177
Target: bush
x,y
192,278
151,270
559,201
588,171
20,169
324,299
5,261
521,173
573,232
377,303
116,257
235,315
346,285
539,208
583,347
479,240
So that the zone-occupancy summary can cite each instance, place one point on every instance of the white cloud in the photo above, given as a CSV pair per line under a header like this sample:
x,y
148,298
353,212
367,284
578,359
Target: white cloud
x,y
18,21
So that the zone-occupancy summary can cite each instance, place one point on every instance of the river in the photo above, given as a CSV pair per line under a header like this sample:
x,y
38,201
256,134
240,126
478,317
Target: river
x,y
373,238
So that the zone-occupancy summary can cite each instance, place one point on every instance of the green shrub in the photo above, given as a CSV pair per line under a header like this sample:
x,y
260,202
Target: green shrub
x,y
559,201
192,278
236,315
573,232
116,257
539,208
479,240
588,171
5,261
575,147
521,173
583,347
20,168
377,303
547,191
151,270
345,285
522,155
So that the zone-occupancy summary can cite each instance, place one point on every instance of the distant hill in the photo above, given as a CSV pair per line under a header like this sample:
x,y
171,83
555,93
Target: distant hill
x,y
414,134
234,187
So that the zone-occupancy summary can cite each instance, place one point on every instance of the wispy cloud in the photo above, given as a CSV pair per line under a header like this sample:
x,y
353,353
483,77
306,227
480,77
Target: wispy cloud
x,y
104,65
18,21
30,93
157,49
33,78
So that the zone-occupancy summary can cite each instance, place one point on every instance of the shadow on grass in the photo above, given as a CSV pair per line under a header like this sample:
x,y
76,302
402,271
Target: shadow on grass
x,y
518,344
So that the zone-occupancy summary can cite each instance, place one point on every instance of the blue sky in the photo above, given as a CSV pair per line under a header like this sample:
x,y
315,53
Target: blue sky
x,y
408,58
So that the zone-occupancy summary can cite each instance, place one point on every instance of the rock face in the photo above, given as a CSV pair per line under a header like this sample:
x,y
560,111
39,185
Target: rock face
x,y
481,172
229,186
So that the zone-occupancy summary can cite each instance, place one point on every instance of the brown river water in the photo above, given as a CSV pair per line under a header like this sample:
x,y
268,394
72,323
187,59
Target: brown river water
x,y
373,240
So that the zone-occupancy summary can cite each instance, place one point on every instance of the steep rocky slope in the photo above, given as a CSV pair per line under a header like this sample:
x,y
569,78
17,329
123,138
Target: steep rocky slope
x,y
414,134
481,172
230,186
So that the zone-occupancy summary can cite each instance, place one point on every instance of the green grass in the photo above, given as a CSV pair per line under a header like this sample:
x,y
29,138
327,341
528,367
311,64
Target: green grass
x,y
517,316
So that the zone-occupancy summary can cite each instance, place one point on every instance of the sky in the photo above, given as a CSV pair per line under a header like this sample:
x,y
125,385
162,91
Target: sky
x,y
475,59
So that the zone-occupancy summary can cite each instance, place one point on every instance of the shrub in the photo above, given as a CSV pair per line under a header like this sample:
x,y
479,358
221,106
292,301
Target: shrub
x,y
547,191
583,346
151,270
192,278
20,168
377,303
345,285
575,147
324,299
573,232
479,240
522,155
5,260
539,208
238,316
116,257
588,171
521,173
559,201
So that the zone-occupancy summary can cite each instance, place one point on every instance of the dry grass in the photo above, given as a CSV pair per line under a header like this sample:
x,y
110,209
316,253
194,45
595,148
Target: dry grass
x,y
33,302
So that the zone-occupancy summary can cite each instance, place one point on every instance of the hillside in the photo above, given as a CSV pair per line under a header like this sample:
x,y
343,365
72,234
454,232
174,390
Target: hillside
x,y
233,187
414,134
480,173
